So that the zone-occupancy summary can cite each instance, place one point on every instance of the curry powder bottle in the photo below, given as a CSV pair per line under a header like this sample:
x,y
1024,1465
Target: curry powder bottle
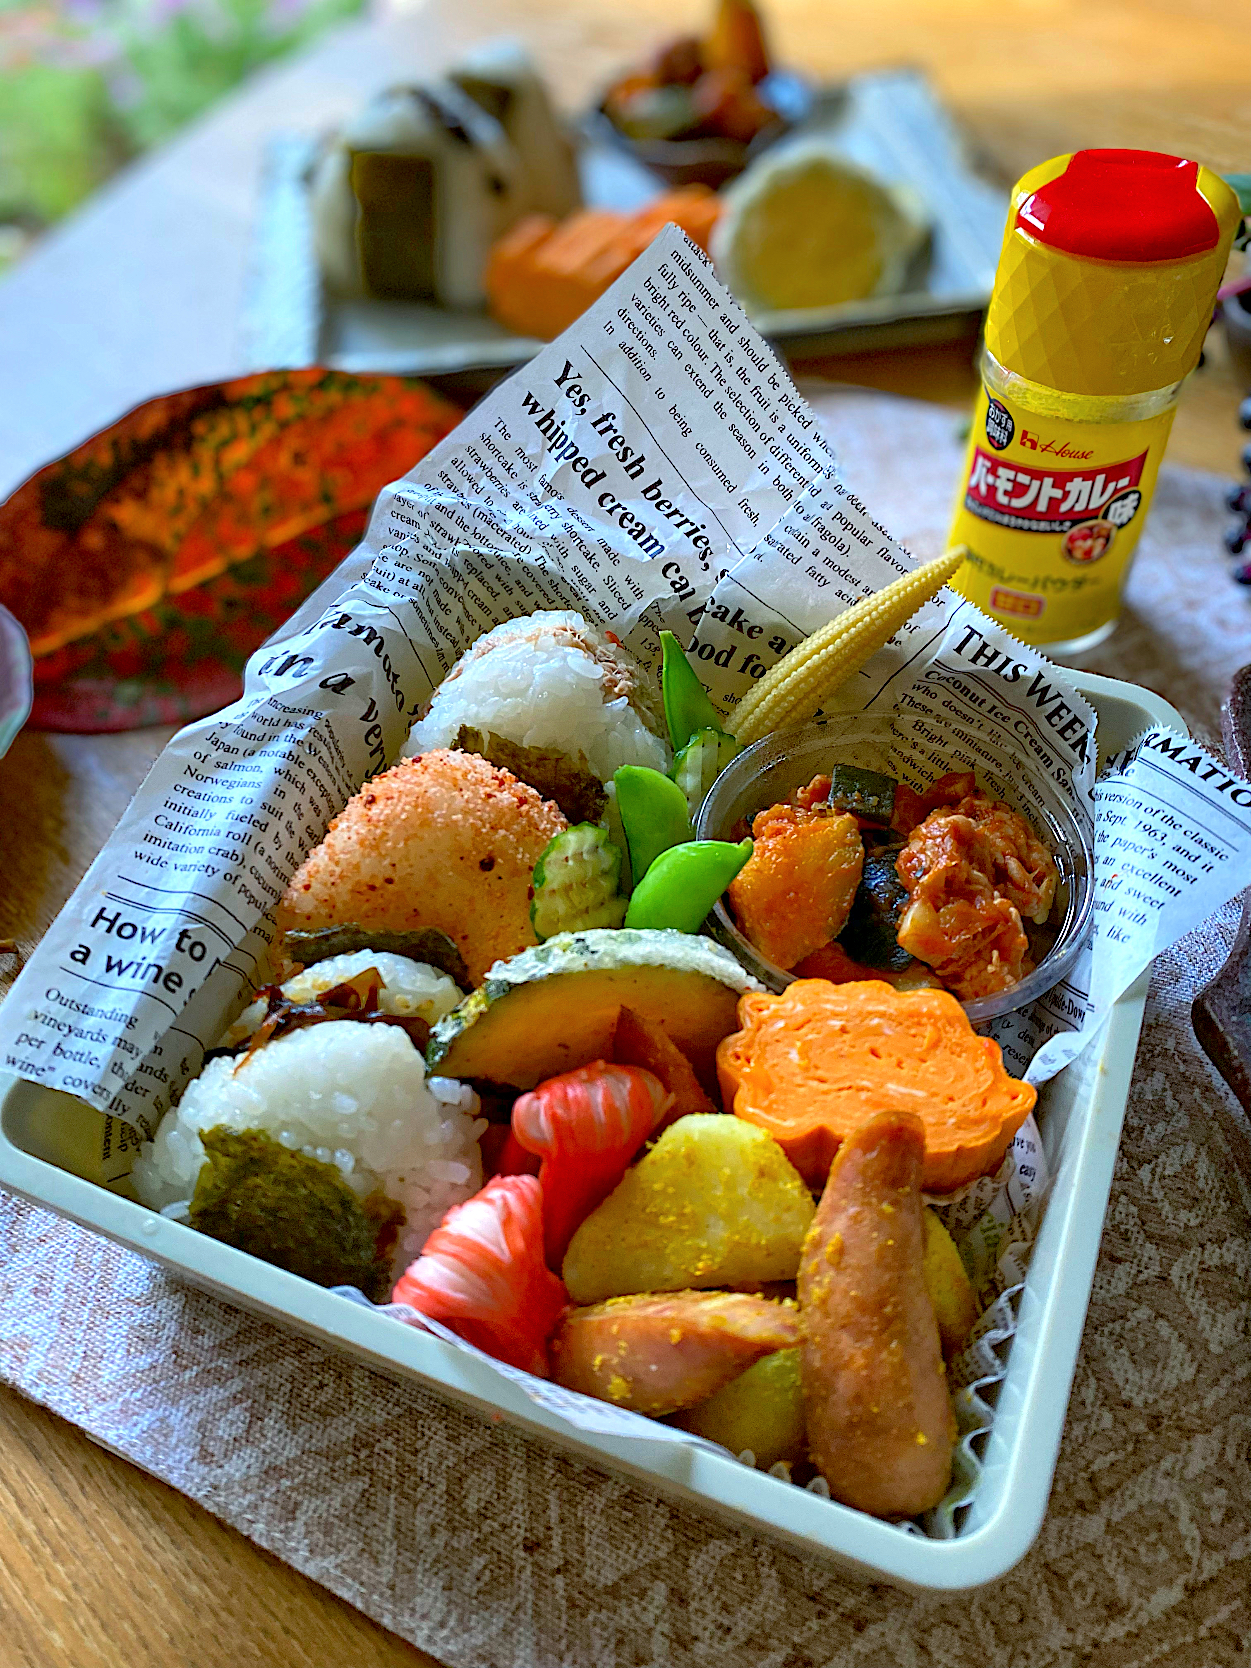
x,y
1110,265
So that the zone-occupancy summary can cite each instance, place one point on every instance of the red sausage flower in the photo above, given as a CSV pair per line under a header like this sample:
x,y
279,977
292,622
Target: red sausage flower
x,y
586,1126
482,1273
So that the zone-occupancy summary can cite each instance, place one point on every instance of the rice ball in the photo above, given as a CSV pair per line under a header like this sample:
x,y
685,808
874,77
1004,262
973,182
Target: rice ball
x,y
350,1094
444,841
410,989
551,682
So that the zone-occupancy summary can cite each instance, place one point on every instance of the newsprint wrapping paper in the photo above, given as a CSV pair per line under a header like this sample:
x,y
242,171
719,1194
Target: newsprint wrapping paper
x,y
493,1550
655,467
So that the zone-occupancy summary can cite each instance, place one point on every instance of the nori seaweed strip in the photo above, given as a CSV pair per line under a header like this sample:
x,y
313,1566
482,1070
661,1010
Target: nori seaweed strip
x,y
294,1211
426,945
556,776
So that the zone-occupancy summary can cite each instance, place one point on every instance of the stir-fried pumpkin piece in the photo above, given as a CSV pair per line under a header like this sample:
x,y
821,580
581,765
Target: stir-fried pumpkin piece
x,y
796,889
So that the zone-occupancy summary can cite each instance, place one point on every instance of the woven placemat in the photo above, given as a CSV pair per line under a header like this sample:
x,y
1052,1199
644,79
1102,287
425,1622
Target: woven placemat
x,y
489,1549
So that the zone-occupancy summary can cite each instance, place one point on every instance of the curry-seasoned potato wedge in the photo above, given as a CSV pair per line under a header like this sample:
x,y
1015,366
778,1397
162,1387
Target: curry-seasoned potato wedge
x,y
716,1202
762,1409
951,1292
659,1352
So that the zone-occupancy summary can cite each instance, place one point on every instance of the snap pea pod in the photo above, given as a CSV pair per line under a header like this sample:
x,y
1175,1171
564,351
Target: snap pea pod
x,y
653,814
684,882
699,764
687,707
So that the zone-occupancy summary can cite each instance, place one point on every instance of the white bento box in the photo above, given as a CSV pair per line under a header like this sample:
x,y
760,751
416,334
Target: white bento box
x,y
1079,1114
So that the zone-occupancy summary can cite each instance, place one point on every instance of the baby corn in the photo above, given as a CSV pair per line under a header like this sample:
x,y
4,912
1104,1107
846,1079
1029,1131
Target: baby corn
x,y
793,690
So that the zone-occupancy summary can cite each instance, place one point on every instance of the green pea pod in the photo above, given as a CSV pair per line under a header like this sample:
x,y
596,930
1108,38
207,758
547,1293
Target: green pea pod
x,y
684,882
687,707
653,813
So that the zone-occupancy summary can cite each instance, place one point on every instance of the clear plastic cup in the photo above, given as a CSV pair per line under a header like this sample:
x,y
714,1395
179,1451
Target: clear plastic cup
x,y
772,769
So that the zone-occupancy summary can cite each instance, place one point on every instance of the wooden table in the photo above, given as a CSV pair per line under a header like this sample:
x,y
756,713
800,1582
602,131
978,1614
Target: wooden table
x,y
100,1565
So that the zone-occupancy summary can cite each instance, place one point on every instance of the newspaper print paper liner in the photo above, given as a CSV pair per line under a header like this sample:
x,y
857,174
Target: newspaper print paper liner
x,y
653,467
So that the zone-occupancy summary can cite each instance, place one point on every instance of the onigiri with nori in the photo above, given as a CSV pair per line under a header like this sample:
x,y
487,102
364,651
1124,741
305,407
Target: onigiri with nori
x,y
553,683
352,1095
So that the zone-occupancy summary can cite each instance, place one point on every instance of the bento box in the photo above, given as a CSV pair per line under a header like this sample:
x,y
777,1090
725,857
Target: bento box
x,y
1080,1112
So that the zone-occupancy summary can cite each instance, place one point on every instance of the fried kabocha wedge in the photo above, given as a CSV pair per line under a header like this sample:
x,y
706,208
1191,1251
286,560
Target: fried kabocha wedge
x,y
880,1423
714,1203
661,1351
556,1006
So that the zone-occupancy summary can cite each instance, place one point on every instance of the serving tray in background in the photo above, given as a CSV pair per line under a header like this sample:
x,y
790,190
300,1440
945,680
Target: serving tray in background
x,y
1079,1114
889,122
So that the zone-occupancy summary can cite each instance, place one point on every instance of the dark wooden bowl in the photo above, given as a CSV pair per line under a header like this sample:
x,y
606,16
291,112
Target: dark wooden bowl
x,y
715,162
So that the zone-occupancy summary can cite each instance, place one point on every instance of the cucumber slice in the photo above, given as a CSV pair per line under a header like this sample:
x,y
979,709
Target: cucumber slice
x,y
612,822
576,883
699,764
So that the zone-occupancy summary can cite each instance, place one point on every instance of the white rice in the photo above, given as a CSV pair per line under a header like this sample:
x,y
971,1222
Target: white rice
x,y
540,692
349,1094
410,989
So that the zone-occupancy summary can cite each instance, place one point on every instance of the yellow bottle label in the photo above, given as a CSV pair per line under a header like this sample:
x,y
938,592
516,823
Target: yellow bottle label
x,y
1051,510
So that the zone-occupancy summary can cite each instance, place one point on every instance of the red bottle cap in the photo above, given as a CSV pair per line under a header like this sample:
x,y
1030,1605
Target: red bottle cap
x,y
1122,206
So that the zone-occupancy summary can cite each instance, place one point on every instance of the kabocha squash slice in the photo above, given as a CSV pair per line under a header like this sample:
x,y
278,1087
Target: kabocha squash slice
x,y
555,1007
813,1064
